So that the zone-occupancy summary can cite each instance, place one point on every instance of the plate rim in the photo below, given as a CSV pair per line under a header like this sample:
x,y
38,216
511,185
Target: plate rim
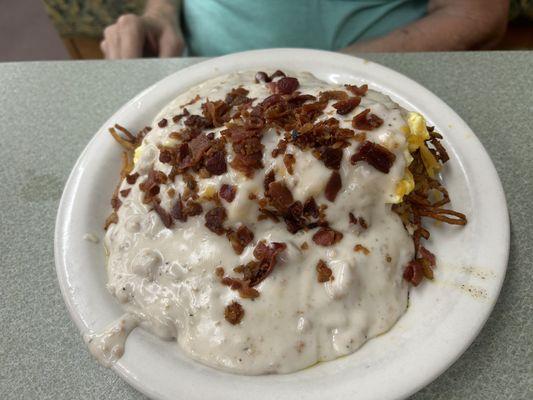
x,y
59,248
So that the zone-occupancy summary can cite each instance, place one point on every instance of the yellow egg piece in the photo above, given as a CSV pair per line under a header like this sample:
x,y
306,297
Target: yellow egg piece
x,y
137,154
418,132
404,187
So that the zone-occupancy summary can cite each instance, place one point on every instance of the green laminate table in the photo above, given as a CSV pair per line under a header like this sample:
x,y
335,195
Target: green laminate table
x,y
50,110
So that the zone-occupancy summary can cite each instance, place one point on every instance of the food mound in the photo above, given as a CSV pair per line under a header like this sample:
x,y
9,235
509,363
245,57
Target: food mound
x,y
267,222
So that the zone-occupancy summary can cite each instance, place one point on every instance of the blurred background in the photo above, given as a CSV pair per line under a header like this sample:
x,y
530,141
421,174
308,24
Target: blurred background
x,y
72,29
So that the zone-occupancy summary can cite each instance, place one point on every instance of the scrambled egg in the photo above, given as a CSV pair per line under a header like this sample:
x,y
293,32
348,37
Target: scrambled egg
x,y
137,154
416,134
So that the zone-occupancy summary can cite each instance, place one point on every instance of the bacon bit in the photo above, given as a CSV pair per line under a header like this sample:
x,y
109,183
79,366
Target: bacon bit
x,y
357,90
247,292
115,202
333,186
310,208
344,107
125,192
304,246
267,214
414,272
234,284
332,157
233,313
279,195
256,271
237,97
216,112
352,218
362,249
197,121
270,177
192,208
363,223
262,77
132,178
150,186
376,155
198,146
165,217
219,272
177,118
240,238
162,123
297,100
366,121
360,137
214,220
280,148
177,211
327,237
328,95
216,163
287,85
167,155
289,160
324,273
228,192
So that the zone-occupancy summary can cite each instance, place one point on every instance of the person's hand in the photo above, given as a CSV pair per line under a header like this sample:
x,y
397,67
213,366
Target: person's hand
x,y
133,36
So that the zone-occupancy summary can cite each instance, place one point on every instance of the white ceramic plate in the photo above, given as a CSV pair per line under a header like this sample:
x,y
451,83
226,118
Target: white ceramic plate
x,y
442,320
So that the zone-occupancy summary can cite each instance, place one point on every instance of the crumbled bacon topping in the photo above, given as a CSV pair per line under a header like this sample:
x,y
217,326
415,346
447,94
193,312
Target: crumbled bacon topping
x,y
279,195
324,273
132,178
328,95
214,220
227,192
287,85
344,107
366,121
198,122
289,161
357,90
256,271
310,208
162,123
125,192
332,157
333,186
216,163
327,237
165,217
262,77
376,155
240,238
233,313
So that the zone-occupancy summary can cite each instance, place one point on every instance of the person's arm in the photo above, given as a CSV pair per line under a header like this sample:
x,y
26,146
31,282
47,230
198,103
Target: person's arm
x,y
449,25
157,29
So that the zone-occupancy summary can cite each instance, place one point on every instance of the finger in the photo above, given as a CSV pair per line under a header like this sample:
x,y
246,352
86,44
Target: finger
x,y
112,43
131,34
170,45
